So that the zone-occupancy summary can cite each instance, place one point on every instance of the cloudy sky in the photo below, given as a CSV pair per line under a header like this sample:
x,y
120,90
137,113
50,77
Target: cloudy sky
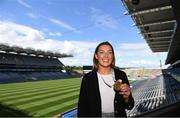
x,y
75,27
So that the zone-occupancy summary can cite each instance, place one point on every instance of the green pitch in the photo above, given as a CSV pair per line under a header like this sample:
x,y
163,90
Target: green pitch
x,y
39,98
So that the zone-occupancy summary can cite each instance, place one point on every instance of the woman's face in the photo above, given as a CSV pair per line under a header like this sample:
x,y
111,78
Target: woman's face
x,y
104,56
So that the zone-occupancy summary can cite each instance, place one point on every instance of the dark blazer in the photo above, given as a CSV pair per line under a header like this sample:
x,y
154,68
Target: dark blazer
x,y
89,104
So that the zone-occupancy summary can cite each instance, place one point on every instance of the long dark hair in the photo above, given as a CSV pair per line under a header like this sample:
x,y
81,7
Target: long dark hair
x,y
95,61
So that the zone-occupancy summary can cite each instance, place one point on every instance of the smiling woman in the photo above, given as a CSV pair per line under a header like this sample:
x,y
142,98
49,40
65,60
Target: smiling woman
x,y
97,96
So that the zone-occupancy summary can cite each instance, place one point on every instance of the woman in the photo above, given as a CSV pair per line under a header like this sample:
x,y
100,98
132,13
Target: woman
x,y
97,95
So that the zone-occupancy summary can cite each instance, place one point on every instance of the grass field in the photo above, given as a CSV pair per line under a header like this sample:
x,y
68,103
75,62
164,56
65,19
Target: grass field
x,y
40,98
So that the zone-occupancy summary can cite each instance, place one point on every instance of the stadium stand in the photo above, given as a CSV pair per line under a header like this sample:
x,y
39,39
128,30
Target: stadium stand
x,y
139,73
153,95
159,23
30,66
87,69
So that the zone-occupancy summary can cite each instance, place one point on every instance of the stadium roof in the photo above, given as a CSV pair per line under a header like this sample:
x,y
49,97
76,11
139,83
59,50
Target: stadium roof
x,y
158,23
173,53
18,49
29,51
5,48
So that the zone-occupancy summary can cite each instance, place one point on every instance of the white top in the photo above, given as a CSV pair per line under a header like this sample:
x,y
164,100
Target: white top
x,y
107,94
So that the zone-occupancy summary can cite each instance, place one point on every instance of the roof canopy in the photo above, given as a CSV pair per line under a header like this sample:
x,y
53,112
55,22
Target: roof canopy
x,y
158,23
30,51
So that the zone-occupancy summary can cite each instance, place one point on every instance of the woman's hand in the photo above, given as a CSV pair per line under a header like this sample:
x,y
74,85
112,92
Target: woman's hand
x,y
125,91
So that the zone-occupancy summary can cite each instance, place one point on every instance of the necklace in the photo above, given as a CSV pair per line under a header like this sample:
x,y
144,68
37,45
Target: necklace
x,y
110,86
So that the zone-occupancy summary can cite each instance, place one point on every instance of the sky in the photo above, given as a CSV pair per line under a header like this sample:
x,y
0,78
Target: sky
x,y
76,27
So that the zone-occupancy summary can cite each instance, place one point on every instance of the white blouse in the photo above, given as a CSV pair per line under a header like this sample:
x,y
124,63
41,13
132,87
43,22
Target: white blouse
x,y
106,92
